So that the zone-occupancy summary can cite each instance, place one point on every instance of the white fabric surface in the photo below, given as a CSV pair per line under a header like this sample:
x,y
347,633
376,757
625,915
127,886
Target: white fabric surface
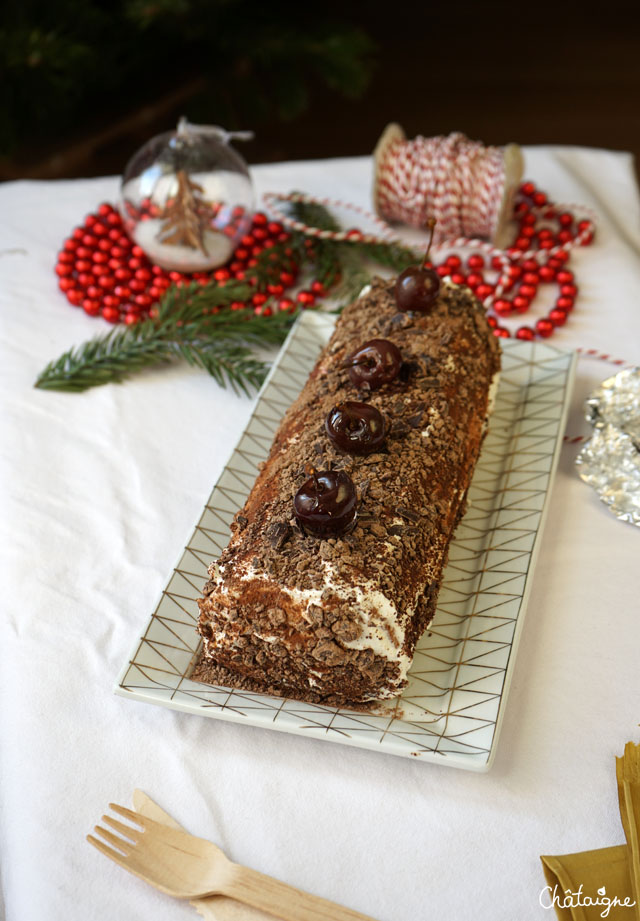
x,y
99,492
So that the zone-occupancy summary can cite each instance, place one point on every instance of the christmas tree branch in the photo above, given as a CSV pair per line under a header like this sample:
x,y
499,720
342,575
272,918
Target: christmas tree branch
x,y
185,328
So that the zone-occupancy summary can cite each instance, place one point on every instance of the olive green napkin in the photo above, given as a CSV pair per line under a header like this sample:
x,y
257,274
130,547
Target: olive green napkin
x,y
604,883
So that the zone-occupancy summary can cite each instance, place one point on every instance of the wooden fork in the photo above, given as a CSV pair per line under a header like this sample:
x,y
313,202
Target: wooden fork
x,y
191,868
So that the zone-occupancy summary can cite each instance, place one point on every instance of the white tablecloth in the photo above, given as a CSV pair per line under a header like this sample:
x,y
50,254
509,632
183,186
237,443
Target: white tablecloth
x,y
99,492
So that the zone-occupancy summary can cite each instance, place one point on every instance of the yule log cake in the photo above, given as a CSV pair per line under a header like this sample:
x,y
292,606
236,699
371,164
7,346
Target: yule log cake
x,y
336,559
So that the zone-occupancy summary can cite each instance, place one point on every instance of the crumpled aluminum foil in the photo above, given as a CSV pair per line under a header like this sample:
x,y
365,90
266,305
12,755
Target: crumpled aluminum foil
x,y
610,460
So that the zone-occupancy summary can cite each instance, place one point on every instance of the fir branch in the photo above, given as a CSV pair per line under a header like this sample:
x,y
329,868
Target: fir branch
x,y
185,328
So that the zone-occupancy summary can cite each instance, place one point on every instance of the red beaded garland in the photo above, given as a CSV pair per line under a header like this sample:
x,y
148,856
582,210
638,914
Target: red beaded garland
x,y
101,270
538,256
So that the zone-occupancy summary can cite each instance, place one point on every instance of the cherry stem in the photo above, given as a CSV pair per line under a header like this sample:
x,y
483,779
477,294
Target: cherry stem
x,y
431,224
343,408
311,471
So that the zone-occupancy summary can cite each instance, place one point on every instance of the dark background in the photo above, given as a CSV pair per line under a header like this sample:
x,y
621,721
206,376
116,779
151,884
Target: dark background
x,y
543,74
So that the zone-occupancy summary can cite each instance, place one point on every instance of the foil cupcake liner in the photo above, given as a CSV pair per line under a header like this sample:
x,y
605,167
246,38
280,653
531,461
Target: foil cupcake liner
x,y
610,460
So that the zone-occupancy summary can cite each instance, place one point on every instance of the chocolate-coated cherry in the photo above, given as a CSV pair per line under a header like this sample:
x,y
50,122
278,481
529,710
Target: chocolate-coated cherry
x,y
326,503
417,287
357,428
375,363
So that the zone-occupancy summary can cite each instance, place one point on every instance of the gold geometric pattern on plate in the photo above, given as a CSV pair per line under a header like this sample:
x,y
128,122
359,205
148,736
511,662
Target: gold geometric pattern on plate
x,y
451,709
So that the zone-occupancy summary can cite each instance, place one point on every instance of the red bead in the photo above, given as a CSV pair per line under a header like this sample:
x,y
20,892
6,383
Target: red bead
x,y
66,283
107,282
565,219
259,298
94,291
131,318
529,219
483,291
84,265
454,261
558,316
547,273
544,327
527,188
287,278
260,233
122,291
492,322
514,271
522,244
565,236
539,199
565,303
548,243
274,228
256,250
78,233
259,219
286,304
241,253
474,279
90,220
115,264
584,225
65,256
561,256
503,307
110,300
122,274
531,278
89,240
70,245
316,286
142,300
527,231
114,220
104,209
443,270
222,274
530,265
252,263
497,263
134,263
458,278
565,276
111,314
501,332
63,268
99,257
306,298
568,290
544,233
586,239
117,252
75,296
528,291
91,306
143,274
114,234
86,279
525,333
238,305
521,303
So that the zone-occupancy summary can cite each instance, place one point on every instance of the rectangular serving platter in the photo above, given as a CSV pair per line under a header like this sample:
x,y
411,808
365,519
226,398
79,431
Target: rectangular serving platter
x,y
452,708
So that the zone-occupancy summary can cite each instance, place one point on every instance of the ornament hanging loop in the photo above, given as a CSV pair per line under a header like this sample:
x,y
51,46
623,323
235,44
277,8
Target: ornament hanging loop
x,y
187,129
